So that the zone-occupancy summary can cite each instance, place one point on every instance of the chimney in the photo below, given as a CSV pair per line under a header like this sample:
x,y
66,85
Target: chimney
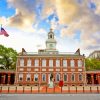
x,y
78,51
23,51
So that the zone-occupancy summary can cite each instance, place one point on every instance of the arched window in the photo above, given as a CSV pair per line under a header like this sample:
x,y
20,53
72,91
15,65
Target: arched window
x,y
57,63
29,62
57,77
73,77
79,63
20,77
28,77
72,63
64,63
43,63
50,35
43,77
65,77
50,63
35,77
80,77
36,63
21,62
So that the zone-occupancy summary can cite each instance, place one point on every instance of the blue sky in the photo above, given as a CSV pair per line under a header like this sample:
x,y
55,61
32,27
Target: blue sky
x,y
5,10
74,22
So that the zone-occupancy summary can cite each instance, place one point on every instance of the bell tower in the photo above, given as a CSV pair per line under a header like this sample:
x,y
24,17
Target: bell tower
x,y
51,42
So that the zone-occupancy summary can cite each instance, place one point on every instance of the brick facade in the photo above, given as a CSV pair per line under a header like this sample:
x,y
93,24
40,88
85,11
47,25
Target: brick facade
x,y
50,53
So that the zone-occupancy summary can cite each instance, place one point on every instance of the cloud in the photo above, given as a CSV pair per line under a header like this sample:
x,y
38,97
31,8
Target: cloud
x,y
88,23
67,10
3,20
70,13
97,10
48,8
20,39
25,14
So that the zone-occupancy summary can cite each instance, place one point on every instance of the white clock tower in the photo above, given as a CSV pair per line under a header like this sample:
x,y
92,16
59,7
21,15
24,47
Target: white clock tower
x,y
51,43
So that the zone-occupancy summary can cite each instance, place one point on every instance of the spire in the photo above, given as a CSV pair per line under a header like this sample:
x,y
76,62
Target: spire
x,y
51,34
51,29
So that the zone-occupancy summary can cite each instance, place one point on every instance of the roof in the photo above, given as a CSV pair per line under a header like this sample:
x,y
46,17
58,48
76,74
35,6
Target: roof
x,y
6,71
96,51
95,71
60,54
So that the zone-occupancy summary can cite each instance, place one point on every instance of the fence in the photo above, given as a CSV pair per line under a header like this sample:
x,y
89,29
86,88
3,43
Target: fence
x,y
45,89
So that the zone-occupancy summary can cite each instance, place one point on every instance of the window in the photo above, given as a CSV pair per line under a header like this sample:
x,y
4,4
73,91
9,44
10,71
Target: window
x,y
73,77
65,77
35,77
29,62
50,63
79,63
43,77
57,63
50,35
80,77
21,62
57,77
72,63
64,63
20,77
43,63
36,62
28,77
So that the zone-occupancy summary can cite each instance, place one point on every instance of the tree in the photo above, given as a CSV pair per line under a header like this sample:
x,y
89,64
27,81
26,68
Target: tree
x,y
8,57
92,64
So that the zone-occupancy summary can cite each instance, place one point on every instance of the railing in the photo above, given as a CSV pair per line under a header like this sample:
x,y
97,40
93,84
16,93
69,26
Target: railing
x,y
46,53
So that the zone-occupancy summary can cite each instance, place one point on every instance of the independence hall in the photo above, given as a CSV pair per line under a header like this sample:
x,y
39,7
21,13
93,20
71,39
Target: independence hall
x,y
50,65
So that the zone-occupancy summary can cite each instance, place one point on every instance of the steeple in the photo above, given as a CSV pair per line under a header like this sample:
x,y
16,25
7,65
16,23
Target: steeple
x,y
51,34
51,42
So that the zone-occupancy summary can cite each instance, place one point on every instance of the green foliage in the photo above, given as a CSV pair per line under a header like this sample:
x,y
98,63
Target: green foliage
x,y
8,58
92,64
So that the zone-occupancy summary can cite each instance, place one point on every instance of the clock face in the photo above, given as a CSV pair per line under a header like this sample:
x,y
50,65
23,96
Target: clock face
x,y
51,45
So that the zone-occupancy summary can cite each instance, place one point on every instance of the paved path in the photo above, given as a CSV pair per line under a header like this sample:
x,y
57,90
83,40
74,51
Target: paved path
x,y
49,96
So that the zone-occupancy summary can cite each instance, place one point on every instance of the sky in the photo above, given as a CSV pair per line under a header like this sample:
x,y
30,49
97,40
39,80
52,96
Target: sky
x,y
76,24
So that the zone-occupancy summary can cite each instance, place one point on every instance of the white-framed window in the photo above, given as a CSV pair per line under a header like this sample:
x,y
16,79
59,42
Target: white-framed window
x,y
20,77
57,77
64,63
21,62
43,77
29,62
35,77
65,77
28,77
36,63
50,63
43,63
79,63
73,77
57,63
72,63
80,77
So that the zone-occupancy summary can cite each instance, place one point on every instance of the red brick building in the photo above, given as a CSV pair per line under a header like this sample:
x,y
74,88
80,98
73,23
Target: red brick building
x,y
93,77
39,68
7,77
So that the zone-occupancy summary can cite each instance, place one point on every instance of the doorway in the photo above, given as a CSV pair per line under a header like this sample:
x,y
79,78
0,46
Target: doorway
x,y
95,79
